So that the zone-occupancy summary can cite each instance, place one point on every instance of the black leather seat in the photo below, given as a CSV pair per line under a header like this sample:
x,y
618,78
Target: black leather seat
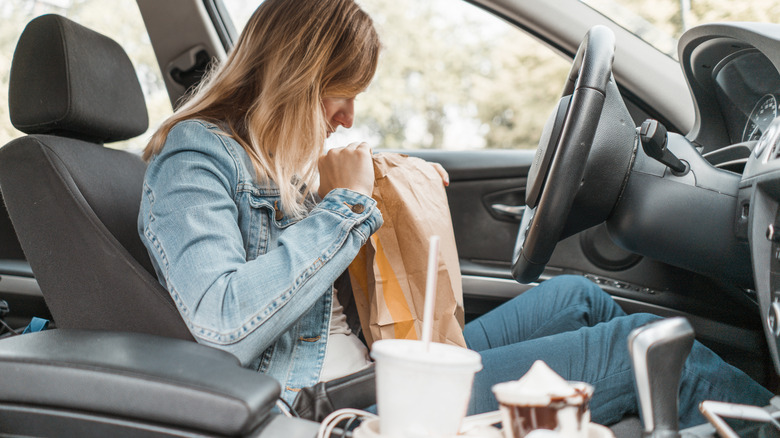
x,y
81,383
73,202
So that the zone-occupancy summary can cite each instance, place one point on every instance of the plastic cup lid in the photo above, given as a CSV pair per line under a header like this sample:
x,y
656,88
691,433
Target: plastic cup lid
x,y
412,351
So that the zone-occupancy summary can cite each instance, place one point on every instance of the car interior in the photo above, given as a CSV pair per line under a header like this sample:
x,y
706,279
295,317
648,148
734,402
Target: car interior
x,y
660,185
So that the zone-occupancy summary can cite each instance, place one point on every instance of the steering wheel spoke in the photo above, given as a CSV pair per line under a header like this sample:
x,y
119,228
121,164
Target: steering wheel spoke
x,y
559,165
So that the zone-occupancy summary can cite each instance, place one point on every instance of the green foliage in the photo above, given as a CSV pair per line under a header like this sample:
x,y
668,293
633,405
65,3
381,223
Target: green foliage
x,y
118,19
452,76
708,11
662,22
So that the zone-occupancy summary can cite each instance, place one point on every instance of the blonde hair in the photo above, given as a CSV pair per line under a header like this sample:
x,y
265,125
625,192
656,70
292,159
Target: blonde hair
x,y
268,94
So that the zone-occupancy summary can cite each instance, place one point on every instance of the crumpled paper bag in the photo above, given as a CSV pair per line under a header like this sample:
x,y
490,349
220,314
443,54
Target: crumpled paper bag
x,y
388,275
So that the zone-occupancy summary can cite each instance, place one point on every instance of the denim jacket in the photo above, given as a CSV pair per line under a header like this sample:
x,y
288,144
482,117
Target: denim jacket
x,y
245,278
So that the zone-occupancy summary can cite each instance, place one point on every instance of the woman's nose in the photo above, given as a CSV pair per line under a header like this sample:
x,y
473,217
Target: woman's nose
x,y
346,114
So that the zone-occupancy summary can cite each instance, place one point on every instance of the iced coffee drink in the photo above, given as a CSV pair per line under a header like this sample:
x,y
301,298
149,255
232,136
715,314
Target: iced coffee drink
x,y
542,399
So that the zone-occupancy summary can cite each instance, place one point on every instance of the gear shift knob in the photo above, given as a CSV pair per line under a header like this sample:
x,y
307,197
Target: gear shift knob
x,y
658,351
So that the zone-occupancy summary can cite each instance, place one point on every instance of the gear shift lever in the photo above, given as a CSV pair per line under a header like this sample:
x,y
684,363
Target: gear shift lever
x,y
658,351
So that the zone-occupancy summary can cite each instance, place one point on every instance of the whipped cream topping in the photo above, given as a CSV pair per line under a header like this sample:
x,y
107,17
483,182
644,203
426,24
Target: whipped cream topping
x,y
538,387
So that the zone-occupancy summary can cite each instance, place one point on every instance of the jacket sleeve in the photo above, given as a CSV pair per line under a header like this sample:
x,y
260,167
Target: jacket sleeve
x,y
189,223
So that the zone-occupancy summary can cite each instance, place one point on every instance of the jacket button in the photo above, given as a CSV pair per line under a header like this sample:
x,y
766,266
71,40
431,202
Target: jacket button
x,y
358,208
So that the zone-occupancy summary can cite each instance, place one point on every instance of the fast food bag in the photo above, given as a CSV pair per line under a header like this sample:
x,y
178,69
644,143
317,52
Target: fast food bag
x,y
389,273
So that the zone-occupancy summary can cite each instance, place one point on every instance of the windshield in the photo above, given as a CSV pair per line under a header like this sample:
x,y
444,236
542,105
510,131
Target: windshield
x,y
662,22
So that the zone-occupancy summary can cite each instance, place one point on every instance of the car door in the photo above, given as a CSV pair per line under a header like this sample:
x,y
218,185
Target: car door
x,y
513,75
470,85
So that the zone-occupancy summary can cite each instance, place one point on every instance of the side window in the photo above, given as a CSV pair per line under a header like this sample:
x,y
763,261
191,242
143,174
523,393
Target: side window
x,y
118,19
451,76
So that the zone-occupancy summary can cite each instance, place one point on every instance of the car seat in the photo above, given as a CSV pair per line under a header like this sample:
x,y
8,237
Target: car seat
x,y
72,201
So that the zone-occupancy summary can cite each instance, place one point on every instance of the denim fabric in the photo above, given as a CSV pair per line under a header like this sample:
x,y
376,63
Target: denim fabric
x,y
245,279
581,333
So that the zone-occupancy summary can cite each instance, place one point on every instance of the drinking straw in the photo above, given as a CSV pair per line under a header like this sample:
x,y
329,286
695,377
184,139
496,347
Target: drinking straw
x,y
430,291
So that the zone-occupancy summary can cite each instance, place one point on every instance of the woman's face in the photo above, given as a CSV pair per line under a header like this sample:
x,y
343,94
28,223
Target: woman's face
x,y
339,111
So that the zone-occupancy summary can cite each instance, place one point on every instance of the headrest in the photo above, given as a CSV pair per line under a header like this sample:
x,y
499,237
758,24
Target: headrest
x,y
70,81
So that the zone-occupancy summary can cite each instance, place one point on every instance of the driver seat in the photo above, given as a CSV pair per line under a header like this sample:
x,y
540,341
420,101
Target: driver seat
x,y
73,202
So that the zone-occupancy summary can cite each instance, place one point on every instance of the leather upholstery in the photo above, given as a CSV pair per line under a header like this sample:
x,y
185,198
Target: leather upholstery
x,y
138,378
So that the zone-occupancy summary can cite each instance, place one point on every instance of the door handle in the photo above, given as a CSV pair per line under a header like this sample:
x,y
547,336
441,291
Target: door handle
x,y
512,211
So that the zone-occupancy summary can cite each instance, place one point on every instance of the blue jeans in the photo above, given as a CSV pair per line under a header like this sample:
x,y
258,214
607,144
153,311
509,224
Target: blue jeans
x,y
581,333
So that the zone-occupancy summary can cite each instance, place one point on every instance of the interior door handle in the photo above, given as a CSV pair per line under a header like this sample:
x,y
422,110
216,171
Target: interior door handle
x,y
512,211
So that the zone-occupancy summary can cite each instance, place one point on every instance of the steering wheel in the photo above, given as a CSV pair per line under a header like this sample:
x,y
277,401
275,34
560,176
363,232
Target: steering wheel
x,y
559,164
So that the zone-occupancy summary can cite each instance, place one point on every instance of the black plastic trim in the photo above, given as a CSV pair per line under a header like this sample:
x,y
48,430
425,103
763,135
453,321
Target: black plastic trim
x,y
19,268
223,23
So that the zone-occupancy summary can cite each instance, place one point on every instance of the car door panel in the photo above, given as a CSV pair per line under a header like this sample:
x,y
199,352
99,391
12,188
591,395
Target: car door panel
x,y
479,180
485,241
18,287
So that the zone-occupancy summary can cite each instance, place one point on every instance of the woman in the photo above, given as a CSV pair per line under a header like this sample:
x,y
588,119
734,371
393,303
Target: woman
x,y
248,225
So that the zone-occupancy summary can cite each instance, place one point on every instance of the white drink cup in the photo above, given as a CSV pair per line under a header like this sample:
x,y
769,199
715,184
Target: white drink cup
x,y
422,393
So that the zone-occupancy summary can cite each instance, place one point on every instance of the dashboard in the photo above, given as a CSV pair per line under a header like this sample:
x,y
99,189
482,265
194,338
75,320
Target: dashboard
x,y
761,185
747,87
733,72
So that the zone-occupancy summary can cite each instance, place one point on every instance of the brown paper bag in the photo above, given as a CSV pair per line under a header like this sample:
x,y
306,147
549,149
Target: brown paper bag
x,y
389,273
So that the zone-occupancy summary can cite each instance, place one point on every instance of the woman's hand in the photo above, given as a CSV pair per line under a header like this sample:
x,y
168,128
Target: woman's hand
x,y
349,167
